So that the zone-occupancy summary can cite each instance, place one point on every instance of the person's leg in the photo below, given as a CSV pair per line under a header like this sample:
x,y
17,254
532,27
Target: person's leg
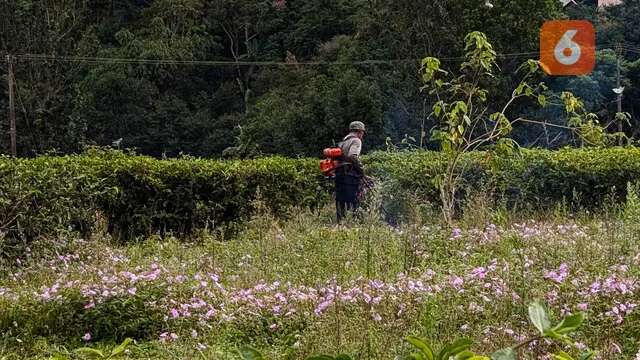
x,y
341,208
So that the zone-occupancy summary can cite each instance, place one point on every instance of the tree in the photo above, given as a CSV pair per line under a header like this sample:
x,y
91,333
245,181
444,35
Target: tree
x,y
467,123
303,119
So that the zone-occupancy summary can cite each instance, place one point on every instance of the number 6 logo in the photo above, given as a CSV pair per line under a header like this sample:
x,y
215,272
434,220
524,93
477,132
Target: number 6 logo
x,y
568,47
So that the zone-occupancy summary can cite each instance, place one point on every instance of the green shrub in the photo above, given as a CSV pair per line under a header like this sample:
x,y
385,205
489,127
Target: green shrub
x,y
141,195
67,318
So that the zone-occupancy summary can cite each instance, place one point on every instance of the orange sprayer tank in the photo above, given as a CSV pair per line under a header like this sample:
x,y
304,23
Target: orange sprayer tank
x,y
331,162
332,153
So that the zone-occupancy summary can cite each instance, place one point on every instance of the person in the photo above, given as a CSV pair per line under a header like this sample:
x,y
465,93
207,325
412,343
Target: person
x,y
350,172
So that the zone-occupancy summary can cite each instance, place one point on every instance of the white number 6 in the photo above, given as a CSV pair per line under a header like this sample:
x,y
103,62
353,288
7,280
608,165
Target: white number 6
x,y
566,42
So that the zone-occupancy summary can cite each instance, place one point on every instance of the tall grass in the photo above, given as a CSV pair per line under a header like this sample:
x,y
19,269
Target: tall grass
x,y
302,286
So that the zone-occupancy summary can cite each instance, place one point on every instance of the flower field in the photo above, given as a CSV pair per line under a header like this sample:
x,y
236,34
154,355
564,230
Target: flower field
x,y
302,286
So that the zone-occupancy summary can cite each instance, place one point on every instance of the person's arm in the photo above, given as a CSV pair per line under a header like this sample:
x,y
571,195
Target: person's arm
x,y
354,153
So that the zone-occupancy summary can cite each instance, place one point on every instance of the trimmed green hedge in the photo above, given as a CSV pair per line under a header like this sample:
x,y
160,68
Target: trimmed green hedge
x,y
141,195
535,178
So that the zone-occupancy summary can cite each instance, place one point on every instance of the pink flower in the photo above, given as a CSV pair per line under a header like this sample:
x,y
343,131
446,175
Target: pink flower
x,y
456,282
558,276
478,273
583,306
132,291
174,313
86,337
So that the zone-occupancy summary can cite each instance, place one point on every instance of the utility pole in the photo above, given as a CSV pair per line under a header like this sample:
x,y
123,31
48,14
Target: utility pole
x,y
619,87
12,106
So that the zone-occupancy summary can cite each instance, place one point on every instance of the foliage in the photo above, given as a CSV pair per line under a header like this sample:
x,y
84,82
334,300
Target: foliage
x,y
137,195
173,108
538,316
460,349
467,123
279,286
98,354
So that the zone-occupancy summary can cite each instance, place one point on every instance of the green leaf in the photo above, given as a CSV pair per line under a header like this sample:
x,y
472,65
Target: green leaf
x,y
416,356
249,353
92,353
539,316
343,357
562,356
469,355
542,100
586,355
504,354
58,356
569,324
121,348
421,345
454,349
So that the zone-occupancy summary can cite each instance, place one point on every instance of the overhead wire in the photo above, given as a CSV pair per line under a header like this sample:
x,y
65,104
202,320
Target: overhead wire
x,y
212,63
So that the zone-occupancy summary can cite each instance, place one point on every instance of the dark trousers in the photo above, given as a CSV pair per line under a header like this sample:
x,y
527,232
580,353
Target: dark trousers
x,y
346,195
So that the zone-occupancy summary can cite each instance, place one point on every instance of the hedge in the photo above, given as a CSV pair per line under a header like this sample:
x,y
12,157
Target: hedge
x,y
141,195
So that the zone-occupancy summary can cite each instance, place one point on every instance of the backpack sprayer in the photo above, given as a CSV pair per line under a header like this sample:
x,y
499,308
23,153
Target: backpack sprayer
x,y
331,162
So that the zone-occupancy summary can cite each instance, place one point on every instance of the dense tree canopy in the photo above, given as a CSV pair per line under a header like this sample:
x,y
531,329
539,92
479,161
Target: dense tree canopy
x,y
65,100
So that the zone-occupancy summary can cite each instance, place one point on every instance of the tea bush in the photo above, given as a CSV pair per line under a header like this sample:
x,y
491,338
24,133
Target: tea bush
x,y
140,195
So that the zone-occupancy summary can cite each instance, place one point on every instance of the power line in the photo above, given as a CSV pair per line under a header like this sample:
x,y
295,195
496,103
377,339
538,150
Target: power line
x,y
106,60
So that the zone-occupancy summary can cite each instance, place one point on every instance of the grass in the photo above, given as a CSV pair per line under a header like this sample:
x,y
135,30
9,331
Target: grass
x,y
302,286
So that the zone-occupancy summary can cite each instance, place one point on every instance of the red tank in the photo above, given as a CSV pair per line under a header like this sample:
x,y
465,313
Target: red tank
x,y
332,153
331,162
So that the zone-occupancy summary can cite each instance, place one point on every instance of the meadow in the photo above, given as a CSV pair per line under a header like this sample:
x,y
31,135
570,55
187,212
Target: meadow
x,y
299,285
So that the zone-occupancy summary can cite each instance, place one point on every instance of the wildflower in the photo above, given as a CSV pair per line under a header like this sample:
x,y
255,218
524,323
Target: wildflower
x,y
194,333
558,276
583,306
86,337
174,313
478,273
132,291
456,282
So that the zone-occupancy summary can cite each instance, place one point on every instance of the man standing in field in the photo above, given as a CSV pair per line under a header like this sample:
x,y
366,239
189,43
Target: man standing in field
x,y
350,173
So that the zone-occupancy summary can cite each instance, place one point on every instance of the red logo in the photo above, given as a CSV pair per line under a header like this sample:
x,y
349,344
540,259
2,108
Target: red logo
x,y
568,47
